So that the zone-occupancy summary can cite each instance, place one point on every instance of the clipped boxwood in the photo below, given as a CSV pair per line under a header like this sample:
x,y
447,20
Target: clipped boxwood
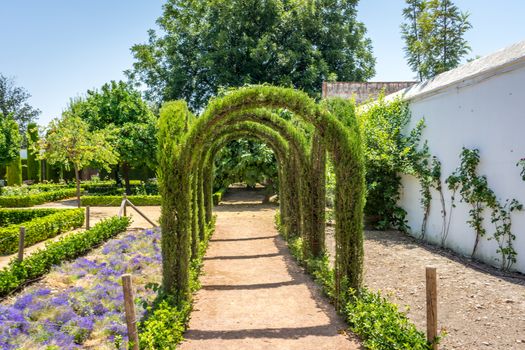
x,y
115,201
39,263
35,199
217,196
40,229
16,216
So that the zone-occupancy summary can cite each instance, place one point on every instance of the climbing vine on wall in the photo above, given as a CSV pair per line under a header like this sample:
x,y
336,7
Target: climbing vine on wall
x,y
521,164
474,191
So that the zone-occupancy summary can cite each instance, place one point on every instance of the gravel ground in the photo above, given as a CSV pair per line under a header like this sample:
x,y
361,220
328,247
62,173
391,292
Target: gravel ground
x,y
478,307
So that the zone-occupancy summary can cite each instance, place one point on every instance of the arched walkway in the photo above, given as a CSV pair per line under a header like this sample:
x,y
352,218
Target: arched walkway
x,y
253,295
332,127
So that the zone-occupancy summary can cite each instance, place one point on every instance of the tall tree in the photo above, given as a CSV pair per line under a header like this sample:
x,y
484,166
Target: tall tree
x,y
33,163
13,102
119,108
10,140
69,142
205,45
434,32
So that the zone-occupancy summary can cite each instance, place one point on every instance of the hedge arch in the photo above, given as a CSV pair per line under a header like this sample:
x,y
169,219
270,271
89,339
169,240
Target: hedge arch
x,y
185,144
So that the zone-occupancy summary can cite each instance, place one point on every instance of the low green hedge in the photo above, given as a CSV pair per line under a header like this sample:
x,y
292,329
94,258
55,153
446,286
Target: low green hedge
x,y
217,196
40,229
115,201
12,216
17,273
35,199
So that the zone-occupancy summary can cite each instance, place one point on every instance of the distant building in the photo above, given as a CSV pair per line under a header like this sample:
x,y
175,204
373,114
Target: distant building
x,y
363,91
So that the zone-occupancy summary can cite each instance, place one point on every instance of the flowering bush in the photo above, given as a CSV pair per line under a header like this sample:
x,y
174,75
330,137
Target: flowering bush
x,y
80,303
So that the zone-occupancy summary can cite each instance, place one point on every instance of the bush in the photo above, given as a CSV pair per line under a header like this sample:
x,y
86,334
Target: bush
x,y
40,229
390,150
115,201
217,196
17,216
381,325
37,264
30,200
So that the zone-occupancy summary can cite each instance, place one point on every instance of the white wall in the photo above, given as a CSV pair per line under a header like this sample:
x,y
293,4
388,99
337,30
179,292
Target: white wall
x,y
484,111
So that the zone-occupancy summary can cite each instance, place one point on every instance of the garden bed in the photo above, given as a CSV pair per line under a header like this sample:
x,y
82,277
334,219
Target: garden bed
x,y
40,224
30,199
80,303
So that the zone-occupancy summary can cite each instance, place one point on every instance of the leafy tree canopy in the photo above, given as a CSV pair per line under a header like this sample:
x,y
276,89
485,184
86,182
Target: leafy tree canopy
x,y
208,44
245,160
10,140
434,32
13,103
119,108
70,143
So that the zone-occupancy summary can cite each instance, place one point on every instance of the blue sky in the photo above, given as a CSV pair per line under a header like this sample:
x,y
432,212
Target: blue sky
x,y
58,49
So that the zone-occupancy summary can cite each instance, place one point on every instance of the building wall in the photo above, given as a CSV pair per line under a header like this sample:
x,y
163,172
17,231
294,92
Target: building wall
x,y
485,111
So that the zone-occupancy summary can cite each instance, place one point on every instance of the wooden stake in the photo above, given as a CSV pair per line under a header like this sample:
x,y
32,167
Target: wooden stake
x,y
432,329
21,243
87,217
129,307
125,201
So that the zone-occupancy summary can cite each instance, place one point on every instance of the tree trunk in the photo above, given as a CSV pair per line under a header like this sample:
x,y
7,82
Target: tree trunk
x,y
125,173
77,179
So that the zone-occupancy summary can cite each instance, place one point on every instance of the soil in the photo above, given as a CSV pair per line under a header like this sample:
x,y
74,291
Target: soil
x,y
254,296
478,307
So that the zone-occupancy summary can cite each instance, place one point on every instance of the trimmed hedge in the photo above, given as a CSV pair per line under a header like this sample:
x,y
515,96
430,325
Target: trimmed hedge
x,y
217,196
17,216
114,201
40,229
35,199
36,265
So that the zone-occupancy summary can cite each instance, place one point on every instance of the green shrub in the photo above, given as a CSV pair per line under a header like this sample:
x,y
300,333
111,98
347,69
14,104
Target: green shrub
x,y
37,264
40,229
30,200
14,172
217,196
17,216
115,201
33,164
390,150
381,325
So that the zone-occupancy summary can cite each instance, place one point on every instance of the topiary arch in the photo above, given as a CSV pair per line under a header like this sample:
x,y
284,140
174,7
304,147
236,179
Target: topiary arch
x,y
187,146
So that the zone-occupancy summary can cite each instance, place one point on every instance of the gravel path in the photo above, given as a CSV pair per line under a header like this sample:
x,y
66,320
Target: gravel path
x,y
254,296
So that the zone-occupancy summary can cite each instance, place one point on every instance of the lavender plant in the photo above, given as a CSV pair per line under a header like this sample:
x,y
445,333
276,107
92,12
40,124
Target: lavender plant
x,y
80,303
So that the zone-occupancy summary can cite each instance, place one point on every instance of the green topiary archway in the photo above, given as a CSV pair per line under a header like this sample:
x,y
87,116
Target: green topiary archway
x,y
187,145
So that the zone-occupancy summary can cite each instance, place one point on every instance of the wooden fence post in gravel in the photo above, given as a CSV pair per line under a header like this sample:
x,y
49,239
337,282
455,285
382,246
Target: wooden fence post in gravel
x,y
129,307
431,306
21,243
87,217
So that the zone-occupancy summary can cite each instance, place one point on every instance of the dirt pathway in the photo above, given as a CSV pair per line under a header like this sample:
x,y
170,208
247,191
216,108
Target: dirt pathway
x,y
254,296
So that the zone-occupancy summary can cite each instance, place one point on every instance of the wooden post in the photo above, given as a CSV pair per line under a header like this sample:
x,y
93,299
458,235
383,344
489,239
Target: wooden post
x,y
129,307
21,243
87,217
125,201
141,213
432,329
